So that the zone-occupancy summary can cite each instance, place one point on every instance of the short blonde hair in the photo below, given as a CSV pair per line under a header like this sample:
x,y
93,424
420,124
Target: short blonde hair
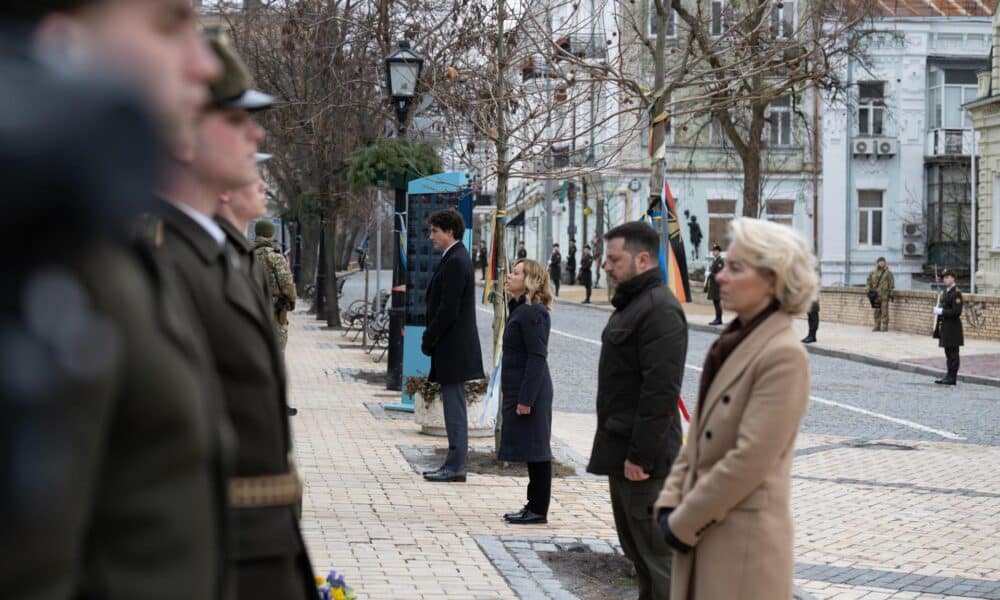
x,y
781,252
536,282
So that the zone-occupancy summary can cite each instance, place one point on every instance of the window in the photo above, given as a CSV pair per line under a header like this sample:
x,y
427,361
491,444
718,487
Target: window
x,y
720,213
716,134
654,20
870,217
871,107
949,90
779,122
722,16
781,211
783,19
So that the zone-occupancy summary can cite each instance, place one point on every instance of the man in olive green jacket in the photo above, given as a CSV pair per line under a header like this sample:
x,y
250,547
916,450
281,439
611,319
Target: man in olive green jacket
x,y
880,286
278,277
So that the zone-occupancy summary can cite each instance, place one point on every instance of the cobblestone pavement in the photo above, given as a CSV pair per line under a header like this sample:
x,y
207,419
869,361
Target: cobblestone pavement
x,y
910,515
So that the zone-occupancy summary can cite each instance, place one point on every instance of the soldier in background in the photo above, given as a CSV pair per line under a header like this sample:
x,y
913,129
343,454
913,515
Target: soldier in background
x,y
813,318
586,276
712,286
278,275
571,261
948,328
237,209
268,557
521,251
880,285
113,437
555,267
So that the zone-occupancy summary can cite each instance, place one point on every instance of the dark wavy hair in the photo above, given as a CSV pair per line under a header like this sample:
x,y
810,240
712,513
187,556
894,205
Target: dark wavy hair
x,y
448,219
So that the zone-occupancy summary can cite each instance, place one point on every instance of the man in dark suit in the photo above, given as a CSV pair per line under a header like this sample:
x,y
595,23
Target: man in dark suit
x,y
948,329
451,338
268,556
110,405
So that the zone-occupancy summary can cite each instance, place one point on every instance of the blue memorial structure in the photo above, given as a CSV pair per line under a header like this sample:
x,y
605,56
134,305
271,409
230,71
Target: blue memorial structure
x,y
423,197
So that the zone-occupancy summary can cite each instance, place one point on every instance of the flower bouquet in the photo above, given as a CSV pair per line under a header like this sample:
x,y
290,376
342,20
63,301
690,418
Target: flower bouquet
x,y
334,588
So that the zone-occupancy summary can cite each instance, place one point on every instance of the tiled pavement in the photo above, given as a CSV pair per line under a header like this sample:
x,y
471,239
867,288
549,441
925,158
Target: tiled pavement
x,y
900,520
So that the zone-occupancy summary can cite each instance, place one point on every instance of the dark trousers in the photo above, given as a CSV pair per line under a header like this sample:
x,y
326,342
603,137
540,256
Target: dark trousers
x,y
951,354
813,317
484,272
274,577
640,537
555,276
588,287
539,487
718,308
572,275
456,423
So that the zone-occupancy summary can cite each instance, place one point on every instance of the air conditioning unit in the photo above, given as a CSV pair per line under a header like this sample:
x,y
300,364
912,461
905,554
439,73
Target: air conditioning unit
x,y
911,230
863,147
914,249
887,146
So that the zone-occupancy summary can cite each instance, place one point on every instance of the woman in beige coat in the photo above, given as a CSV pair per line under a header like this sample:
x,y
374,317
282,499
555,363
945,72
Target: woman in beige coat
x,y
725,506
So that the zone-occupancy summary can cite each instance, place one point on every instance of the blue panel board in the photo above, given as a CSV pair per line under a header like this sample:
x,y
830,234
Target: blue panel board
x,y
438,183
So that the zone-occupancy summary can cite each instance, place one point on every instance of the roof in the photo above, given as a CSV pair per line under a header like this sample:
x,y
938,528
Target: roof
x,y
936,8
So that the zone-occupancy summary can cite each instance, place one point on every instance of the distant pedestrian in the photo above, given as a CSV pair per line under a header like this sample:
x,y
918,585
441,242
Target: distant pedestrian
x,y
712,286
555,267
526,428
482,259
640,372
278,276
695,233
813,317
880,285
451,338
948,328
585,278
521,251
571,261
725,508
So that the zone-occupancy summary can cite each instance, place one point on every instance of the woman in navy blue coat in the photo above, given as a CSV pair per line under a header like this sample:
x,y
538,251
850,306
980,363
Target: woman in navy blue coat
x,y
527,387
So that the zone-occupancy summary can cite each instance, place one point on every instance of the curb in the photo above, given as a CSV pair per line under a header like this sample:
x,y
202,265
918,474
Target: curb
x,y
858,357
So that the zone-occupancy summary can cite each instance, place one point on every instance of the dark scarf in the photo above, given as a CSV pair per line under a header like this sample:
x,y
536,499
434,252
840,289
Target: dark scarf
x,y
627,291
731,337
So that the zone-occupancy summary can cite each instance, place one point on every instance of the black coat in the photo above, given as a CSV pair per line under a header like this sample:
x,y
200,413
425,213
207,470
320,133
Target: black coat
x,y
525,379
712,286
585,277
452,338
231,310
639,378
949,322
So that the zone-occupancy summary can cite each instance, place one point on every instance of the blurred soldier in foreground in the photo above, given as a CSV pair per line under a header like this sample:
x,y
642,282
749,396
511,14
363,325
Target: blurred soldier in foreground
x,y
269,555
112,439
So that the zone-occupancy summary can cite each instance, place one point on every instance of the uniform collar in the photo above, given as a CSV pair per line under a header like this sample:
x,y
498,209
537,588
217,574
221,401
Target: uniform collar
x,y
210,226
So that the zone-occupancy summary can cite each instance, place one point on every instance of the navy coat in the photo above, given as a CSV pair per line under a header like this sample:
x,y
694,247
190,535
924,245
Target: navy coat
x,y
525,379
452,338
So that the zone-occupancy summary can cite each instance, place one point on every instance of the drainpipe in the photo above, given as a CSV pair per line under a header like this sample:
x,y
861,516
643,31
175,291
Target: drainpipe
x,y
850,182
972,186
815,173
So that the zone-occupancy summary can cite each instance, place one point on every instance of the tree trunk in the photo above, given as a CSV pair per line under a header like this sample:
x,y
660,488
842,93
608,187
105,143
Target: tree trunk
x,y
753,163
503,174
332,302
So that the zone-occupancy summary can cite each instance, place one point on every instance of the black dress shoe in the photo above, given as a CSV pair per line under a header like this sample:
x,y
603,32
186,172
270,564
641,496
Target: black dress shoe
x,y
519,513
437,470
716,322
946,381
808,339
527,518
445,476
292,411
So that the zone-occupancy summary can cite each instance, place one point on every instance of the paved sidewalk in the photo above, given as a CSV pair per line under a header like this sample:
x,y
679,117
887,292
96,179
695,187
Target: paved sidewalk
x,y
892,349
896,520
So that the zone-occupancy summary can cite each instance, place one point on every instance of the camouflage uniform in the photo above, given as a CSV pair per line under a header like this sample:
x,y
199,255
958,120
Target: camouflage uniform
x,y
882,281
279,281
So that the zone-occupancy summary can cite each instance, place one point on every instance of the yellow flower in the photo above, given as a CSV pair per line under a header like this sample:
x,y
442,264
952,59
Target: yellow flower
x,y
319,580
338,594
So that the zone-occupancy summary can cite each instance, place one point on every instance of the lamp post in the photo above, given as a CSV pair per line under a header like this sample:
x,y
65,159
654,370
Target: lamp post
x,y
402,71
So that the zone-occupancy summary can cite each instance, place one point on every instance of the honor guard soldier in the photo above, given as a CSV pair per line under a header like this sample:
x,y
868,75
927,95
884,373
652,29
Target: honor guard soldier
x,y
586,278
712,286
948,328
267,556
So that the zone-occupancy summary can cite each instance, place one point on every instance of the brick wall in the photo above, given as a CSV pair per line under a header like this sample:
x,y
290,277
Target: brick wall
x,y
910,312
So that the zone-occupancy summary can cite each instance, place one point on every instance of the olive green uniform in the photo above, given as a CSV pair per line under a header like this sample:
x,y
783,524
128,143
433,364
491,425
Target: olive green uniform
x,y
881,281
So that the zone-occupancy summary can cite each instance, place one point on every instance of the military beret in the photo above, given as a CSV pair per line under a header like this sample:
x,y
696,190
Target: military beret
x,y
263,228
233,88
717,247
948,273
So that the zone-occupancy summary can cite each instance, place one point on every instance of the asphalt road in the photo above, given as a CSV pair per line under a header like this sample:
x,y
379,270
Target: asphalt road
x,y
848,398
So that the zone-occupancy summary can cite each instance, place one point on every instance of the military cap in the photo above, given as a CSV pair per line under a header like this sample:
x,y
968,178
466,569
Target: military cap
x,y
948,273
717,247
263,228
233,88
260,157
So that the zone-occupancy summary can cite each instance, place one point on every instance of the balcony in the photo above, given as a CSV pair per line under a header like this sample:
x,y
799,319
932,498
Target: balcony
x,y
584,46
949,142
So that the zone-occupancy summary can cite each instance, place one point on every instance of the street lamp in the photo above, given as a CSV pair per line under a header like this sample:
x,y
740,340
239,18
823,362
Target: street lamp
x,y
402,72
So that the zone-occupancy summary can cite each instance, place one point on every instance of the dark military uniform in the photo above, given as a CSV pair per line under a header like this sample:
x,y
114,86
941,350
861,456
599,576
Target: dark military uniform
x,y
268,552
571,263
949,331
586,278
712,287
248,262
112,438
555,269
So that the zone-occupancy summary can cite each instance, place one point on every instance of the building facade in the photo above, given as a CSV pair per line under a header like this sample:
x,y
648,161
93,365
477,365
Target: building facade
x,y
897,179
